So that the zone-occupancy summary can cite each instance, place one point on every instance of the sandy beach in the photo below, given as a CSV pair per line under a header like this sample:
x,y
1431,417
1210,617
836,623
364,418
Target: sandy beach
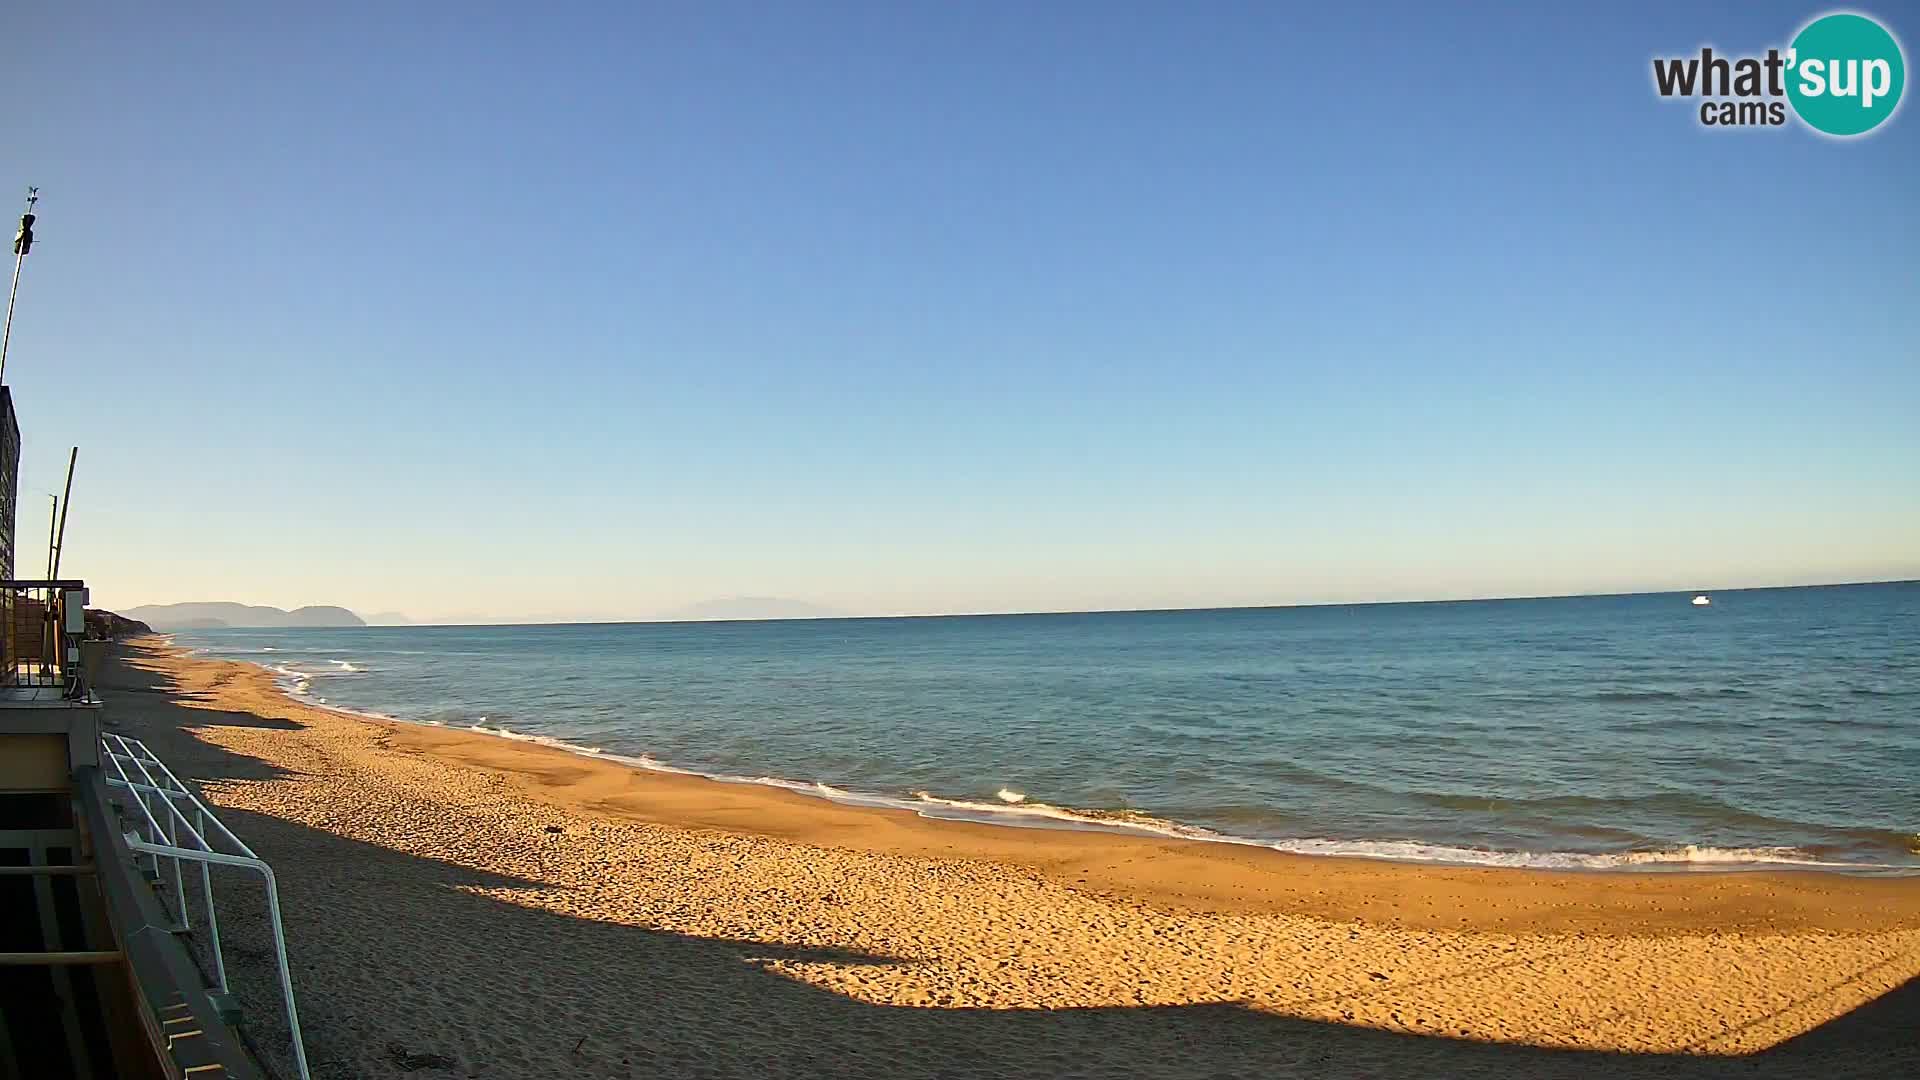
x,y
463,905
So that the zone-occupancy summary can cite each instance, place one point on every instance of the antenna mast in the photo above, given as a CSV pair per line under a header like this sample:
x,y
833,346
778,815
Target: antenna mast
x,y
66,501
22,243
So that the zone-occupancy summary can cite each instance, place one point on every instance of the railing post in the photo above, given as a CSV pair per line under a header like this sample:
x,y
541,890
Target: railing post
x,y
179,885
286,974
213,919
155,824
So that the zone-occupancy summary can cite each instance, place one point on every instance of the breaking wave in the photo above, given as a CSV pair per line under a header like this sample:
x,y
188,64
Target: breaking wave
x,y
1021,812
997,804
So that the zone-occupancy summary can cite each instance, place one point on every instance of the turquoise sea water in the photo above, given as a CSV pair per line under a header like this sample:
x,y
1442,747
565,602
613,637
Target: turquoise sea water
x,y
1775,726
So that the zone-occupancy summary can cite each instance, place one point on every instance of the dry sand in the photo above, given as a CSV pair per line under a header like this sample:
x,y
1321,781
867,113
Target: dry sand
x,y
461,905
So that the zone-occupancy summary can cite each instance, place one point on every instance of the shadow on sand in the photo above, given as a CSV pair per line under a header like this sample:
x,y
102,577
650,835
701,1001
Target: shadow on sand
x,y
404,970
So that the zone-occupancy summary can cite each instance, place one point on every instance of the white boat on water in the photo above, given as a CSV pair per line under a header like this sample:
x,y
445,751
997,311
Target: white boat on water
x,y
1701,600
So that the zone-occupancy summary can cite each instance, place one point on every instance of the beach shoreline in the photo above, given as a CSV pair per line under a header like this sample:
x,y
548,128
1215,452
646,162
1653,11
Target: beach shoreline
x,y
1021,813
1203,875
1681,744
521,910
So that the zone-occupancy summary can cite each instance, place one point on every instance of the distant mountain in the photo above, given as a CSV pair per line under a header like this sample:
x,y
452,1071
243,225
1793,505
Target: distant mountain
x,y
213,616
750,607
323,615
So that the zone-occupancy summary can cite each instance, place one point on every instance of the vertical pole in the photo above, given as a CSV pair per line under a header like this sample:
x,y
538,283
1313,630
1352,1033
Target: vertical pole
x,y
20,247
286,975
179,884
155,837
6,337
48,639
66,502
206,894
57,631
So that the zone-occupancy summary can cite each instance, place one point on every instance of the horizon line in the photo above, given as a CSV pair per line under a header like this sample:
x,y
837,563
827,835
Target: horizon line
x,y
1060,611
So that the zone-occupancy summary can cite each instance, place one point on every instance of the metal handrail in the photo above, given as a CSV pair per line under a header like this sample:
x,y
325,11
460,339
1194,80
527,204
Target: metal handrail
x,y
187,840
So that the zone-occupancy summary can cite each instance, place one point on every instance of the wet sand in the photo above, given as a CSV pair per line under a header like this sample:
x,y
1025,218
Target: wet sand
x,y
464,905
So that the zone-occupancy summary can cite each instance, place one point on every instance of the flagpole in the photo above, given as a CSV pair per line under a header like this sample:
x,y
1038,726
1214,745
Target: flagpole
x,y
66,501
22,243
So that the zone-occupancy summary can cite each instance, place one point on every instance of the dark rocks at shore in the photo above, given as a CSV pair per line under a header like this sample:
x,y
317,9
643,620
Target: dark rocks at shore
x,y
103,625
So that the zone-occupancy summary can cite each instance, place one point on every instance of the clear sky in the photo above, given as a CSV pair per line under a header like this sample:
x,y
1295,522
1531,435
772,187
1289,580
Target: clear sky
x,y
903,307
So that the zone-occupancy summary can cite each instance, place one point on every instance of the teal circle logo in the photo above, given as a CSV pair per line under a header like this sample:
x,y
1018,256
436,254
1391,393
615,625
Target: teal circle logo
x,y
1844,74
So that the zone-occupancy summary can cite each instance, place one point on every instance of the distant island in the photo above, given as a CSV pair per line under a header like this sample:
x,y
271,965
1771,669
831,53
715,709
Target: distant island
x,y
216,616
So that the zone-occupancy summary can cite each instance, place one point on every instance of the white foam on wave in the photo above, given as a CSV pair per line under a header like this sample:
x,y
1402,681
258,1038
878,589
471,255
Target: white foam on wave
x,y
1021,812
299,681
1687,857
1033,815
296,683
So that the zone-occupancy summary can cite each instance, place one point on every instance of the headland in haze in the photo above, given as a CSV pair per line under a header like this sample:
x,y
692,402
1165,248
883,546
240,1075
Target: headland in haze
x,y
221,615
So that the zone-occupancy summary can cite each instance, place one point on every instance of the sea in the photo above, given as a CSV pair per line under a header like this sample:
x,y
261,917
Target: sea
x,y
1769,728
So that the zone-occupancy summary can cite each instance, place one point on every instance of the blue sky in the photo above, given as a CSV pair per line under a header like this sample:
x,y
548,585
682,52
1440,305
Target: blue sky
x,y
603,310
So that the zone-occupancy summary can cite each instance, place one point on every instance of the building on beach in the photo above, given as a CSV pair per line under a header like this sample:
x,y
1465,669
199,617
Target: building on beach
x,y
99,846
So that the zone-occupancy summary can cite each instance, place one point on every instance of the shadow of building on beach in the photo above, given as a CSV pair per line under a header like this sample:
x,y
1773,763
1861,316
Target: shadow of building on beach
x,y
406,968
1886,1030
